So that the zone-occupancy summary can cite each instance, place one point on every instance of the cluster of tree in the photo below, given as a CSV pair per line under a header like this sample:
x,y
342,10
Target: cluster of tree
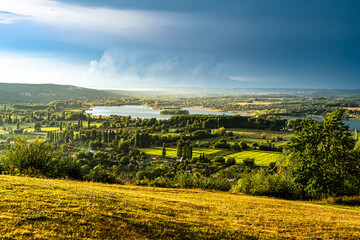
x,y
37,159
184,149
269,146
142,140
174,112
235,121
323,158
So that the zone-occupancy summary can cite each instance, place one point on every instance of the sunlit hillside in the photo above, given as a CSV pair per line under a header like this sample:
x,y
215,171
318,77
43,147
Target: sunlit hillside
x,y
63,209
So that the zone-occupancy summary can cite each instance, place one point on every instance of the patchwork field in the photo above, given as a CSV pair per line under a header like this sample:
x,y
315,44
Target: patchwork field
x,y
251,136
262,158
171,152
63,209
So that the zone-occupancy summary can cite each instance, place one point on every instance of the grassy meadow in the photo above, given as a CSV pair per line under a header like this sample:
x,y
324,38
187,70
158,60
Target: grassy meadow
x,y
171,152
262,158
63,209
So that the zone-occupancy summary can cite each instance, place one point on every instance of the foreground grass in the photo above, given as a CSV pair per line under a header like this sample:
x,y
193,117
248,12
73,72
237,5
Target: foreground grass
x,y
60,209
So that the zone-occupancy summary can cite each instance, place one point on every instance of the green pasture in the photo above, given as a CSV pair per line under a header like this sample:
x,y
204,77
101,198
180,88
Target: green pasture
x,y
251,136
262,158
171,152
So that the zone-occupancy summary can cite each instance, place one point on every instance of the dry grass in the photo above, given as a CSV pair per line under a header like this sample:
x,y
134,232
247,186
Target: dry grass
x,y
61,209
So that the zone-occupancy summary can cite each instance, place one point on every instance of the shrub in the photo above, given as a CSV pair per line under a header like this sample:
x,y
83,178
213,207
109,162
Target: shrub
x,y
100,174
261,183
186,180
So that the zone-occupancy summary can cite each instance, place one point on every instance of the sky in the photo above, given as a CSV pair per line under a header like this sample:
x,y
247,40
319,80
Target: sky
x,y
123,44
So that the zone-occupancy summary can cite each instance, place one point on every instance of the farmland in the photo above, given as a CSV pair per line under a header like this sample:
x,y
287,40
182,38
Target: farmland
x,y
262,158
171,152
63,209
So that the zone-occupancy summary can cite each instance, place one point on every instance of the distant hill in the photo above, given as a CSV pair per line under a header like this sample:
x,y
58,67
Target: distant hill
x,y
14,92
211,91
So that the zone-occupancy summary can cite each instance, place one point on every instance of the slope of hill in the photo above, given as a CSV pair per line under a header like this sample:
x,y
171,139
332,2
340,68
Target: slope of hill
x,y
13,92
62,209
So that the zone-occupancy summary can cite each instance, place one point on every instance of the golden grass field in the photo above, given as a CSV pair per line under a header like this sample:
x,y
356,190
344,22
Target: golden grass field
x,y
63,209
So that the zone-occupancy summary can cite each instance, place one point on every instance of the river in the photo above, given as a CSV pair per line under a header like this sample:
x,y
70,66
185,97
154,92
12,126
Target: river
x,y
138,111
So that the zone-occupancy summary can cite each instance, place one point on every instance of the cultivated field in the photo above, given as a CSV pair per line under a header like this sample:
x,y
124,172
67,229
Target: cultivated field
x,y
63,209
171,152
262,158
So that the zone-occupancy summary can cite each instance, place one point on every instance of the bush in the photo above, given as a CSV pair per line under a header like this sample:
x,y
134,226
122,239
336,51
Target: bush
x,y
100,174
260,183
186,180
140,175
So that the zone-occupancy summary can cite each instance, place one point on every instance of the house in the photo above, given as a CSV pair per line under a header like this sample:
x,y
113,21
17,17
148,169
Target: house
x,y
154,157
286,129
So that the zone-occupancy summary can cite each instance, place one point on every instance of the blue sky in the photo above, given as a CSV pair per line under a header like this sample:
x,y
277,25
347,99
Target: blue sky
x,y
162,43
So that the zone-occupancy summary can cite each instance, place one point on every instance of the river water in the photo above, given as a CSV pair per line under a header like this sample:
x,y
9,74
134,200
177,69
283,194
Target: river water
x,y
137,111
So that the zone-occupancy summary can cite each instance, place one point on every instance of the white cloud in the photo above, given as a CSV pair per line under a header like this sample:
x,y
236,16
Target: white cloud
x,y
242,78
9,18
17,68
98,19
136,68
118,69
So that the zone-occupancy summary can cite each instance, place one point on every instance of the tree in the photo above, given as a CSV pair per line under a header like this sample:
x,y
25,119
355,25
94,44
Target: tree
x,y
321,156
180,148
230,161
89,122
125,160
137,139
190,151
163,151
37,127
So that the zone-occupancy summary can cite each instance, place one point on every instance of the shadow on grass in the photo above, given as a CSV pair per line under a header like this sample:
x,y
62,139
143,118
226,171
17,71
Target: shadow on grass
x,y
164,229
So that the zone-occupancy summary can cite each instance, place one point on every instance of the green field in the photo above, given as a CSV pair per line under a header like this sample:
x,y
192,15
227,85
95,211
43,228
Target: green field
x,y
63,209
262,158
251,136
171,152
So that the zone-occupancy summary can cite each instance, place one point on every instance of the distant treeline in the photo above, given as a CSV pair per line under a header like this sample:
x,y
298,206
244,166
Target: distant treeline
x,y
215,121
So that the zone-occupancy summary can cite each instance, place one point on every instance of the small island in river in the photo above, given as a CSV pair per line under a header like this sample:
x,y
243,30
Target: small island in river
x,y
174,112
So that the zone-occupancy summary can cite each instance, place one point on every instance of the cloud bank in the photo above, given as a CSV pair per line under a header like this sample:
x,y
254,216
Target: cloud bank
x,y
246,43
143,68
95,19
